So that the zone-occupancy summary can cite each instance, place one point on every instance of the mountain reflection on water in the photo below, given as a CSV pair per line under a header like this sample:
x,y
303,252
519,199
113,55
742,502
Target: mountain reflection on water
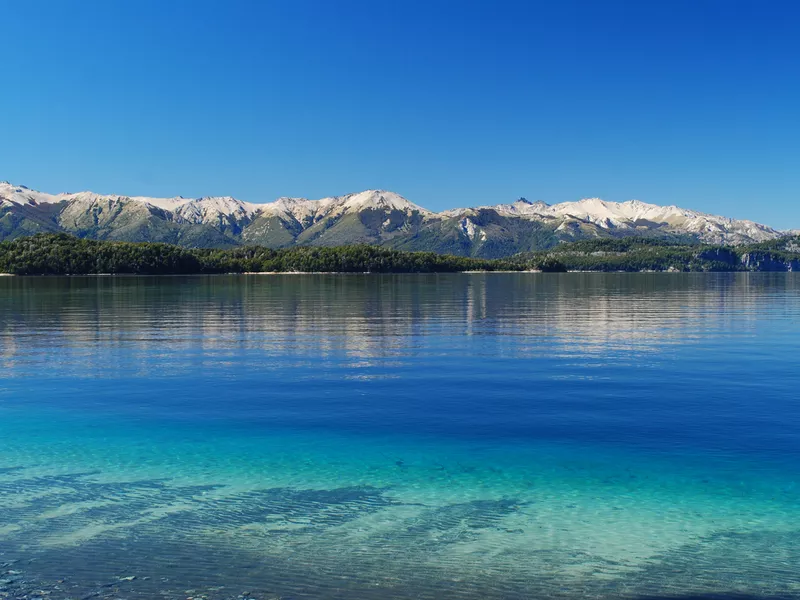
x,y
370,316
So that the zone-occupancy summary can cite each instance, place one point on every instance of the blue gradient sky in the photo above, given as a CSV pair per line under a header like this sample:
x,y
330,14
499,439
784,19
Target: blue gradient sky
x,y
448,103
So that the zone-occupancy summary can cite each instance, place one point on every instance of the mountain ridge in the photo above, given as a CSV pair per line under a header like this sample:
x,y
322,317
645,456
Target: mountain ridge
x,y
377,217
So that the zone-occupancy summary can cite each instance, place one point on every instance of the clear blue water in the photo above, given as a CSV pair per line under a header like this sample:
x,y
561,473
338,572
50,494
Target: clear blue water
x,y
433,436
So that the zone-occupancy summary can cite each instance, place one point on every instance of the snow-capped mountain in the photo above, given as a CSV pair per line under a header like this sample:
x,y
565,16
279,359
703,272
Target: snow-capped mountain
x,y
301,209
634,215
372,216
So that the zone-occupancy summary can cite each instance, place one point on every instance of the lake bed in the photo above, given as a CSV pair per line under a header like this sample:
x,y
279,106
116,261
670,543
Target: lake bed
x,y
400,436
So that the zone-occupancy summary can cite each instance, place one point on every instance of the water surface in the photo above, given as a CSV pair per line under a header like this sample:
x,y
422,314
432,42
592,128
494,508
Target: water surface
x,y
407,436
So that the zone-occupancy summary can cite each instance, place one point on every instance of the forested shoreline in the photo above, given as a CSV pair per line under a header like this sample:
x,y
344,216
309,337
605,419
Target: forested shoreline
x,y
635,254
62,254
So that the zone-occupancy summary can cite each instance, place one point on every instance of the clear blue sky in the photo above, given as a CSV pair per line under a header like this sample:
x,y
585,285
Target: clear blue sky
x,y
695,103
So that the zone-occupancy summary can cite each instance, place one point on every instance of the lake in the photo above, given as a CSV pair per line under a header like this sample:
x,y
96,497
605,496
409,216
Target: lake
x,y
400,436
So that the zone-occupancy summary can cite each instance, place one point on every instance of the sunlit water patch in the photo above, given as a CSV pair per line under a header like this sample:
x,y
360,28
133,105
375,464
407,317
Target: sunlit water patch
x,y
483,436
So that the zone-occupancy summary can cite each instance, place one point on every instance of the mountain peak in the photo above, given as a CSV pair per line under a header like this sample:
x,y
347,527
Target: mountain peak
x,y
381,199
383,217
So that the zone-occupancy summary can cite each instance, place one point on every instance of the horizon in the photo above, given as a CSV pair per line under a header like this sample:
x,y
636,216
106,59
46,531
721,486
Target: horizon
x,y
689,104
383,190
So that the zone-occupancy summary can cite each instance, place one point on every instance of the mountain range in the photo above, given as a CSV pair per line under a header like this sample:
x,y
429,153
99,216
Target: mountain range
x,y
373,216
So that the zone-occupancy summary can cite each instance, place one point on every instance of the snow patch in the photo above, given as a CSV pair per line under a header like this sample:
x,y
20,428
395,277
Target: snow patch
x,y
470,229
302,209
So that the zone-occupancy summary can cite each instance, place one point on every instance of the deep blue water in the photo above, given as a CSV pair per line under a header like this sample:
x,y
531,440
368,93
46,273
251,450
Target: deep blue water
x,y
432,436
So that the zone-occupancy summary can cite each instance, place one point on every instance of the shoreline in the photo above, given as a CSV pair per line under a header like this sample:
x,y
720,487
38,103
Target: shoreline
x,y
50,254
251,273
470,272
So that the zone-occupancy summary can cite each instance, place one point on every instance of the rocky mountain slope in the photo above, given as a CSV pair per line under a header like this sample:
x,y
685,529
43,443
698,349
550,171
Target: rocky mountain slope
x,y
374,216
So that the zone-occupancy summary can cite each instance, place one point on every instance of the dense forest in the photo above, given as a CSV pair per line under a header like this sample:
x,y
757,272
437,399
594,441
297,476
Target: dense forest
x,y
664,254
61,254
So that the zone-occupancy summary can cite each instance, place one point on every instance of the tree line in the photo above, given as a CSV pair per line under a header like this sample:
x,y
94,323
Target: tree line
x,y
633,254
62,254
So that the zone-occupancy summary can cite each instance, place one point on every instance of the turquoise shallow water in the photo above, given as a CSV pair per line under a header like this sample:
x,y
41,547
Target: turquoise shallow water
x,y
452,436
